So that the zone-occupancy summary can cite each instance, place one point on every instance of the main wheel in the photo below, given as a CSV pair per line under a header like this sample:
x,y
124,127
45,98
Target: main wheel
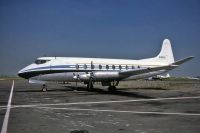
x,y
111,88
44,88
90,86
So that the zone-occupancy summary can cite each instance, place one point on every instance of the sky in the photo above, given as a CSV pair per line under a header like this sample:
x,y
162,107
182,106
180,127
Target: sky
x,y
125,29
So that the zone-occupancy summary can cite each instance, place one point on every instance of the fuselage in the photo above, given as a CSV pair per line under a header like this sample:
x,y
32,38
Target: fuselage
x,y
67,68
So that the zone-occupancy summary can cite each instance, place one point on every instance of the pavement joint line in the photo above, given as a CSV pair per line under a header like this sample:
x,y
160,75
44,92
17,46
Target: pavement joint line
x,y
6,118
102,102
123,111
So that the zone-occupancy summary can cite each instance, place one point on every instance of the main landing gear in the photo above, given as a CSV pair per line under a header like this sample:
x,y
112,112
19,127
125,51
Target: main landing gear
x,y
44,88
90,85
112,86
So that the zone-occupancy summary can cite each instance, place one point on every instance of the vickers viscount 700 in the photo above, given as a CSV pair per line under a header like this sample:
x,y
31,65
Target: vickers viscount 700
x,y
107,71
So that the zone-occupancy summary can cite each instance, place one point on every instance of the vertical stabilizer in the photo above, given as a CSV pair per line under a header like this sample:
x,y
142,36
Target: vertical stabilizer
x,y
166,53
167,75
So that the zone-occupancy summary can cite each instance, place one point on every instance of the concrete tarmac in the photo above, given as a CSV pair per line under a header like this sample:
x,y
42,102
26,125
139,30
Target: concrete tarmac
x,y
136,107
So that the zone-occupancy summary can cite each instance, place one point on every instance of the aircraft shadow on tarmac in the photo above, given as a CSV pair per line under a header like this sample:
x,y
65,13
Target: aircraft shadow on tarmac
x,y
94,91
118,91
39,90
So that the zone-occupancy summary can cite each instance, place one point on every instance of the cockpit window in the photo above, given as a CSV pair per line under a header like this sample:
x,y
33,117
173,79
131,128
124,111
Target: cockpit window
x,y
41,61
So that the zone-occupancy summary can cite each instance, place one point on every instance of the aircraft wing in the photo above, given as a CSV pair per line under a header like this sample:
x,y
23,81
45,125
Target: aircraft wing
x,y
146,70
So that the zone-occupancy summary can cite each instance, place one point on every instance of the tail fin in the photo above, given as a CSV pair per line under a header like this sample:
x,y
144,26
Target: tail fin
x,y
166,54
167,75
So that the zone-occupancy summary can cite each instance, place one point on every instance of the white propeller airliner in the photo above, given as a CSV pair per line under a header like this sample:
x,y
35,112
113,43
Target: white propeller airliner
x,y
107,71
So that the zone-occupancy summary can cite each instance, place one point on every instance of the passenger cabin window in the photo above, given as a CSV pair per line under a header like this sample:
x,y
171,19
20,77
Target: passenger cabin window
x,y
77,66
113,67
107,67
100,66
92,66
85,66
41,61
126,67
120,67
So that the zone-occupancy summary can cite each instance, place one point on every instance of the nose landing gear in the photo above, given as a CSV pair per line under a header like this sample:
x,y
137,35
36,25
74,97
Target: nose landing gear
x,y
44,88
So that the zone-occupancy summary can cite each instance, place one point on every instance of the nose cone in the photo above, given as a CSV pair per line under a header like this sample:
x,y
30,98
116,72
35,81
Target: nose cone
x,y
25,73
22,74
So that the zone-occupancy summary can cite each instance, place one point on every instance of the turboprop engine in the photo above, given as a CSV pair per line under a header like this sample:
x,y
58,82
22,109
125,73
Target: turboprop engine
x,y
97,76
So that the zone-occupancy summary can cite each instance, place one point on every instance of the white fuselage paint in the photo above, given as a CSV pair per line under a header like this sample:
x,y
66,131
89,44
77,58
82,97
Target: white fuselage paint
x,y
80,66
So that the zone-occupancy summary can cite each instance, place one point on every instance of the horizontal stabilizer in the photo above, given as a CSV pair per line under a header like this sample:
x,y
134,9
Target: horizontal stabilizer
x,y
179,62
147,70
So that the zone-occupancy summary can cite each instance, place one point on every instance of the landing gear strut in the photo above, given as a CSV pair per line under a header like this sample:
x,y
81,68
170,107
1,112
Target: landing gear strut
x,y
44,88
112,86
90,85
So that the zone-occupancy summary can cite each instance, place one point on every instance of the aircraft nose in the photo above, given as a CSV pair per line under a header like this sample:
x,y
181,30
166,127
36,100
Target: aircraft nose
x,y
21,74
24,73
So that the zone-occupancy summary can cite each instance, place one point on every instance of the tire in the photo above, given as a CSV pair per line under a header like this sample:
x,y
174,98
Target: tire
x,y
44,88
111,88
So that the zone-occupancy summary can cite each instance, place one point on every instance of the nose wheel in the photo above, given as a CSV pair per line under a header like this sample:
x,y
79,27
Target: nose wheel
x,y
44,88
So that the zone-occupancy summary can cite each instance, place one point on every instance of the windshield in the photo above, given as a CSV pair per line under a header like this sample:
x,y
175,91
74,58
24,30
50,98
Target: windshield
x,y
41,61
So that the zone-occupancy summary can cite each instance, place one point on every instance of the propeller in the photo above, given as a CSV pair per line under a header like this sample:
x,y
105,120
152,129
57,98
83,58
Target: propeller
x,y
76,77
91,75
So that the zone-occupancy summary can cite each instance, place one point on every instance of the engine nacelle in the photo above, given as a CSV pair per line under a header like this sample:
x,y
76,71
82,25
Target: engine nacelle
x,y
84,77
106,75
99,76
